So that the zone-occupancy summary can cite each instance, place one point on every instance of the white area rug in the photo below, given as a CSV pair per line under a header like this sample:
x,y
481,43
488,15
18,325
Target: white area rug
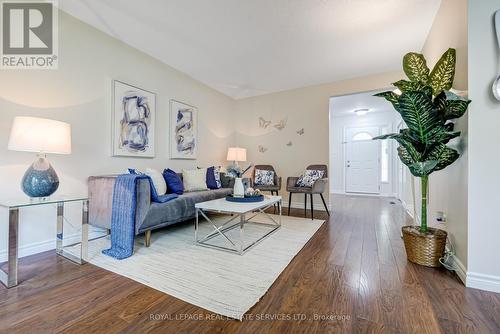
x,y
218,281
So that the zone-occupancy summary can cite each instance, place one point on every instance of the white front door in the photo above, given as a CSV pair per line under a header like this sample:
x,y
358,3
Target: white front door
x,y
362,160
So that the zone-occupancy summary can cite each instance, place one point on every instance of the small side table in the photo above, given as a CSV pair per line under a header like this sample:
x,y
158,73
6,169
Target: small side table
x,y
9,278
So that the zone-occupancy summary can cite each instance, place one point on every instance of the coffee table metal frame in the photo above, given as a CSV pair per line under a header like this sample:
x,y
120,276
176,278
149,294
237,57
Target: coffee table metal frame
x,y
240,217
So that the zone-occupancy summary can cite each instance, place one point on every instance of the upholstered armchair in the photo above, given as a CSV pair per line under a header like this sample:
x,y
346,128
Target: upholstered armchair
x,y
272,188
319,187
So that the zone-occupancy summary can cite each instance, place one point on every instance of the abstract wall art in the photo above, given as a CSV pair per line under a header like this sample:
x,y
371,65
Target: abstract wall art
x,y
183,131
133,120
262,149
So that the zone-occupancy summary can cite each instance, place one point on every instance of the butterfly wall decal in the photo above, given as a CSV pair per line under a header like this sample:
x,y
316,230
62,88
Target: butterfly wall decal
x,y
281,124
263,123
300,132
262,149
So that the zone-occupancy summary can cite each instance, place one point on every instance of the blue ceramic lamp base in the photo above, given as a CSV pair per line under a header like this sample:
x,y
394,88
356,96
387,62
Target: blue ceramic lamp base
x,y
40,180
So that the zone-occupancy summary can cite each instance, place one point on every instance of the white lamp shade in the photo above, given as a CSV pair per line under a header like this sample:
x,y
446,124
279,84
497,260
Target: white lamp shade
x,y
237,154
32,134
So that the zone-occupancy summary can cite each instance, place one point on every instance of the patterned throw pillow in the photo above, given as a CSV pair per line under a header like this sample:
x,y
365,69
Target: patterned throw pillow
x,y
213,178
264,177
309,177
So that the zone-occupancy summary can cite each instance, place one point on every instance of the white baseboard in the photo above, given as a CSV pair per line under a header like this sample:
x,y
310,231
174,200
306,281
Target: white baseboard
x,y
408,208
483,282
47,245
459,269
300,205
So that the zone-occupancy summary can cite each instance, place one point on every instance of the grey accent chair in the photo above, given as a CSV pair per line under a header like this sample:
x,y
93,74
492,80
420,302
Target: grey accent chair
x,y
277,180
275,188
318,187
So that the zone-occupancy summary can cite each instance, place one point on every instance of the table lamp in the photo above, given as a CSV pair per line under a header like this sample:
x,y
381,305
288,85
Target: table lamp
x,y
43,136
236,154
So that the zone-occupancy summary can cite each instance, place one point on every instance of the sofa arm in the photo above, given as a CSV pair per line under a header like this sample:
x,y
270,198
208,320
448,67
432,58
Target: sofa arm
x,y
291,181
278,182
101,200
319,186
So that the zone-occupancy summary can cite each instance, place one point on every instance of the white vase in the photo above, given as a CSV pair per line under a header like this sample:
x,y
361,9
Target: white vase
x,y
239,189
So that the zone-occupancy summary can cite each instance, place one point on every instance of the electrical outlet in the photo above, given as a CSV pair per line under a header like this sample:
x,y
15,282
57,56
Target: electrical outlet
x,y
441,217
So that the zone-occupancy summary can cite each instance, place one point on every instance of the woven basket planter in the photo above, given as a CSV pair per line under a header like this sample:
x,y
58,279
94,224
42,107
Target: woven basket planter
x,y
424,248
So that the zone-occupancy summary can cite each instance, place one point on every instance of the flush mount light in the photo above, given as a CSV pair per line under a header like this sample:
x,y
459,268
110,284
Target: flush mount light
x,y
361,112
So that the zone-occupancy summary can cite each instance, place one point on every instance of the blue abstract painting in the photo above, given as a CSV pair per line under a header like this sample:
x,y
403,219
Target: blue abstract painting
x,y
184,132
134,121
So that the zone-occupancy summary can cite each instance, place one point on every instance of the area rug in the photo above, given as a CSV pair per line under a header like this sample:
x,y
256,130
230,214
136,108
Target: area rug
x,y
220,282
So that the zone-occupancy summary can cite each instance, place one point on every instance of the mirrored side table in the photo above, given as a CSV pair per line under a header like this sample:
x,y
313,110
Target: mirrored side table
x,y
9,277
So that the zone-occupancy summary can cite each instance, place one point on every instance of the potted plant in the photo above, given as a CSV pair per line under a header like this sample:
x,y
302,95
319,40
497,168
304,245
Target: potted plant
x,y
427,107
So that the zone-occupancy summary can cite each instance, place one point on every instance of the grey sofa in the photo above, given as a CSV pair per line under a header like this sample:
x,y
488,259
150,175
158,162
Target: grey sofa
x,y
149,215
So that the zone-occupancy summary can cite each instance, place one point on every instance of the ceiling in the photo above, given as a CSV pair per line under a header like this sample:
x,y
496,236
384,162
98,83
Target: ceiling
x,y
245,48
345,105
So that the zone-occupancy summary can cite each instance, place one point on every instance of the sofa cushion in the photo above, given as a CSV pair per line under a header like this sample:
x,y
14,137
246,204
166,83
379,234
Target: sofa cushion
x,y
157,180
174,182
195,179
213,178
179,209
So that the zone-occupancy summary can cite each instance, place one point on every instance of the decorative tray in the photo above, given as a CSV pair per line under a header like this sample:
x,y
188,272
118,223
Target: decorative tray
x,y
246,199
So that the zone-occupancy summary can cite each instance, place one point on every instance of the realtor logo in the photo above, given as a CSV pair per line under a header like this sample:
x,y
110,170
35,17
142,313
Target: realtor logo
x,y
29,35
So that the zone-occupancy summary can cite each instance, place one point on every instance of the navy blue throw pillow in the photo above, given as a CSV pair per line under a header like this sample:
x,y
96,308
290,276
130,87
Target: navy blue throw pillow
x,y
174,182
213,178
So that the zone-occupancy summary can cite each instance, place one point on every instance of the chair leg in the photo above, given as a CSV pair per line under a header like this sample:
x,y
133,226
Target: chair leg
x,y
289,202
274,205
147,239
324,203
279,204
312,207
305,205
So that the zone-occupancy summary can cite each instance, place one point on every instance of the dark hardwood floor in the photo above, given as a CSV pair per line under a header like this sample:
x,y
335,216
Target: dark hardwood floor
x,y
351,277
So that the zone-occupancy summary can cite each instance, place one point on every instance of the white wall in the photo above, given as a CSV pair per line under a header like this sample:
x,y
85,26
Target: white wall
x,y
484,178
337,146
306,108
78,93
448,188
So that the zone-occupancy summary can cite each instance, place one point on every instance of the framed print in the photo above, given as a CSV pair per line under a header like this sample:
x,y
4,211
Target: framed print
x,y
183,131
133,119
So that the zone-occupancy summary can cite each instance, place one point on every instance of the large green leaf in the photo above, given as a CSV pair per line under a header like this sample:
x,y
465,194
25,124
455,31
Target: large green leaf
x,y
390,96
405,156
419,114
444,155
443,73
415,67
423,168
405,85
412,147
439,136
450,105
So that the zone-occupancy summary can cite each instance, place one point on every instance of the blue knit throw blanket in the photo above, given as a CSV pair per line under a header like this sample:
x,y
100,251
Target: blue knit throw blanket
x,y
123,214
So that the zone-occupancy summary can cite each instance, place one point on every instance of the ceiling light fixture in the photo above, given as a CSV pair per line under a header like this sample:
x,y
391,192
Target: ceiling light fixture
x,y
361,112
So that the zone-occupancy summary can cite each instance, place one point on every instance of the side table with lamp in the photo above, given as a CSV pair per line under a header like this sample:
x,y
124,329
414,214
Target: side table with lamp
x,y
42,136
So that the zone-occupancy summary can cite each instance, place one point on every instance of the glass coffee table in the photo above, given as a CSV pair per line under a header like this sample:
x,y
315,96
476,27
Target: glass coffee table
x,y
244,214
13,205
